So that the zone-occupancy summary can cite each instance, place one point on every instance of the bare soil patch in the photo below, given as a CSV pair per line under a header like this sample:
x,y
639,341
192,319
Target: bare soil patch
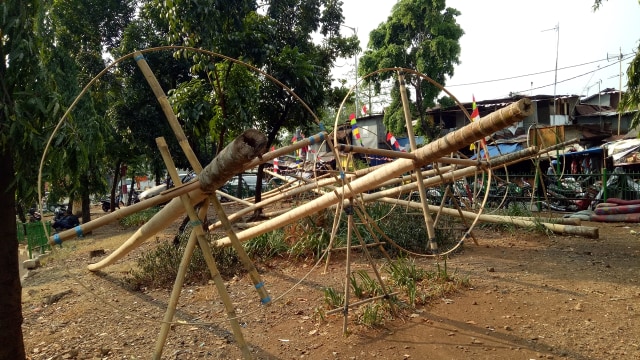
x,y
532,296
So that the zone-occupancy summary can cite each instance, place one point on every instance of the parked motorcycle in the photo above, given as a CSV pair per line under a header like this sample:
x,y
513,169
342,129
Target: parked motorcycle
x,y
106,203
569,195
34,215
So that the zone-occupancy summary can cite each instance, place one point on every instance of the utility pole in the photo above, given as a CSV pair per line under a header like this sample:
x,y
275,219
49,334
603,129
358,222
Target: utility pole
x,y
355,57
555,81
620,93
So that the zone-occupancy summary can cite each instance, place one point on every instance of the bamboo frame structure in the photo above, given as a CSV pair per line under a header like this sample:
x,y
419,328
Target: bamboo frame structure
x,y
249,150
434,150
199,235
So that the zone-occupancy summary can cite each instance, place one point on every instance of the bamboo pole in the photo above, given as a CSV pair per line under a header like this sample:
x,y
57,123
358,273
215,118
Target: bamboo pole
x,y
252,144
428,220
434,150
372,151
586,231
167,215
190,187
177,287
215,274
370,260
249,145
174,209
168,111
232,159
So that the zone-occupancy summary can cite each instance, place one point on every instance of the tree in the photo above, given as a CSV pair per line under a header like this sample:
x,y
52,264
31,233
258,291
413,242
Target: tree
x,y
21,118
75,34
631,99
300,63
422,35
276,40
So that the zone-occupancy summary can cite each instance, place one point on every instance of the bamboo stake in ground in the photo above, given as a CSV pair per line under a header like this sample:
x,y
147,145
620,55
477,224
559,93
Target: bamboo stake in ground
x,y
428,220
215,274
177,286
345,309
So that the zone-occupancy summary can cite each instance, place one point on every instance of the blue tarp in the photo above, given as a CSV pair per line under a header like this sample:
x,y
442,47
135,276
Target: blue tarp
x,y
592,151
404,142
500,149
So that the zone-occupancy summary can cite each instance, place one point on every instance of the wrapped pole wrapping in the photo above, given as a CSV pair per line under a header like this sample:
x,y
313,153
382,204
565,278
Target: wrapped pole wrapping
x,y
232,159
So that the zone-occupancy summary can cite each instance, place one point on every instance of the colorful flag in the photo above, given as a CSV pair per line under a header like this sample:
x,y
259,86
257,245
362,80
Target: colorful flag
x,y
475,115
354,128
394,142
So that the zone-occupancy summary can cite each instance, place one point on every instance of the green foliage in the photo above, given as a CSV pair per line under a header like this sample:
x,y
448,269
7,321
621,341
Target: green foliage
x,y
406,275
367,286
403,271
372,315
139,218
159,268
310,245
267,246
422,35
332,298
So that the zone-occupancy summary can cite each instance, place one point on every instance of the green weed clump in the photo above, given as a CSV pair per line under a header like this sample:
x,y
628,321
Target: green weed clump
x,y
415,286
139,218
159,268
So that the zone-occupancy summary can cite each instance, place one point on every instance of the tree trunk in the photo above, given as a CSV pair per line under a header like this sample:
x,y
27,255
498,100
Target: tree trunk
x,y
85,199
114,186
11,342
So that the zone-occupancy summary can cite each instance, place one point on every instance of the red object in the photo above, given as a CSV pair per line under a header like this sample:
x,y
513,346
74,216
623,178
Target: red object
x,y
394,142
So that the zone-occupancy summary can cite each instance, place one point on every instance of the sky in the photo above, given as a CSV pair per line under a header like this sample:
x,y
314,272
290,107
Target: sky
x,y
507,39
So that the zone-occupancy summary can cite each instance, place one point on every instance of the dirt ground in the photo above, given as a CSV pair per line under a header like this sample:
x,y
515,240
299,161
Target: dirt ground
x,y
532,296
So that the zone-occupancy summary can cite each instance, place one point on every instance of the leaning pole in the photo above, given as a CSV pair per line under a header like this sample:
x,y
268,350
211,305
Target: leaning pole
x,y
451,142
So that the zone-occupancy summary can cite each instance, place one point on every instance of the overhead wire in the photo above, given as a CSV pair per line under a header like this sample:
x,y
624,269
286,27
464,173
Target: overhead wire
x,y
625,57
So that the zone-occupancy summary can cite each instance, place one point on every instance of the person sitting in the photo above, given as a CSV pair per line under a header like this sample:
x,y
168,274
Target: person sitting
x,y
69,221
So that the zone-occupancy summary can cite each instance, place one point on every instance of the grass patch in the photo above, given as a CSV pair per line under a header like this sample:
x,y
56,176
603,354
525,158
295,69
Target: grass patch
x,y
139,218
416,287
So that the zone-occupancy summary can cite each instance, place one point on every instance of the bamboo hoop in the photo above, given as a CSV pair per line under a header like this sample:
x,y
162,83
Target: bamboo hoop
x,y
434,150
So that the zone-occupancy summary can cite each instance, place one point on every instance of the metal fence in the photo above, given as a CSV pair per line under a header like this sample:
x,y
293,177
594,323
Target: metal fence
x,y
34,235
561,192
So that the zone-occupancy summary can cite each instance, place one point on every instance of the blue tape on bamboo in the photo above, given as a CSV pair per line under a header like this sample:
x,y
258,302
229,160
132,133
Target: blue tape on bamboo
x,y
321,127
266,300
312,140
138,57
260,284
342,175
56,239
195,223
78,230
